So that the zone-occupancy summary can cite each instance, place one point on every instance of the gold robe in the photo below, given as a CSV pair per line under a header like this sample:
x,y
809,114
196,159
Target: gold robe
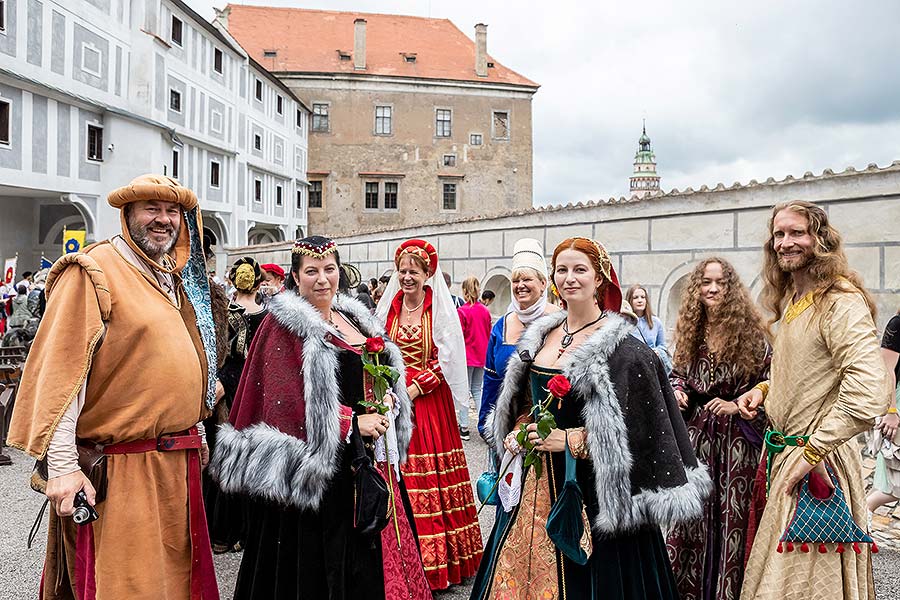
x,y
827,381
109,322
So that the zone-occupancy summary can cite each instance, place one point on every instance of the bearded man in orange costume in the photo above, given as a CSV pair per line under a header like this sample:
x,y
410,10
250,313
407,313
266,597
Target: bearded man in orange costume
x,y
123,367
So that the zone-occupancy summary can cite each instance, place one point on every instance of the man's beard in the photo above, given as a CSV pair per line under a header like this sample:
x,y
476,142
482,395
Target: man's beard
x,y
795,265
140,236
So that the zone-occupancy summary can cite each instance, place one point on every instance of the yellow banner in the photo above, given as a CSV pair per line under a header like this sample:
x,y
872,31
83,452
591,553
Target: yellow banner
x,y
73,240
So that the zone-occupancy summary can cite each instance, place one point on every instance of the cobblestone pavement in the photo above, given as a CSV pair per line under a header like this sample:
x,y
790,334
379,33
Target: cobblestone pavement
x,y
20,568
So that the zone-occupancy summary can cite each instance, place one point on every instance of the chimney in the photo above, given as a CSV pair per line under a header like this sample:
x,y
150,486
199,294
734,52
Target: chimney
x,y
359,44
481,68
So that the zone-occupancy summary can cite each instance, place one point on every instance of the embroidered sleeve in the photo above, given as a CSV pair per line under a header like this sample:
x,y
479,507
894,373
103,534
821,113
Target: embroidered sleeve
x,y
429,378
346,417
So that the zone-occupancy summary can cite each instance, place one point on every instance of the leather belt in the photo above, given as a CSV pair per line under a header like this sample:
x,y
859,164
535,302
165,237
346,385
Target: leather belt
x,y
164,443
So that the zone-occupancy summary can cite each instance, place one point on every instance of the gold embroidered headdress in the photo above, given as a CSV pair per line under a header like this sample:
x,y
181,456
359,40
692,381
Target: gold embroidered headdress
x,y
315,246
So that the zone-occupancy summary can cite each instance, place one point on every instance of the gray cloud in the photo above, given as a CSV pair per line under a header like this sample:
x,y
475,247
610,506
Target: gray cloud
x,y
731,91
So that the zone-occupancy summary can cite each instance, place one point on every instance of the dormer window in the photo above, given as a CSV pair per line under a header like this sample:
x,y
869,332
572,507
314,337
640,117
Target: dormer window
x,y
490,65
344,55
410,58
270,53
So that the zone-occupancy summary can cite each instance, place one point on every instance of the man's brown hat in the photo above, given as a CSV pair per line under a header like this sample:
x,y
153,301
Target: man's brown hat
x,y
153,187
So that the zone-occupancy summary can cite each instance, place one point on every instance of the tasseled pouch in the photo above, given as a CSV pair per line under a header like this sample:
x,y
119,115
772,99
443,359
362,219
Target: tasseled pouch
x,y
567,525
821,517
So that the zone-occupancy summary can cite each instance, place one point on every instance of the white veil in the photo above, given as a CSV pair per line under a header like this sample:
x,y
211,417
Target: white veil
x,y
446,332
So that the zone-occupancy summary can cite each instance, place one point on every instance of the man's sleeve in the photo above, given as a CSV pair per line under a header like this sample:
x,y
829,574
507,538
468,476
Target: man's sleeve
x,y
58,362
891,338
850,336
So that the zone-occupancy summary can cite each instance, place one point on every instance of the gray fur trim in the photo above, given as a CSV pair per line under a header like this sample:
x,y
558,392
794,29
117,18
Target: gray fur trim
x,y
665,506
588,371
264,461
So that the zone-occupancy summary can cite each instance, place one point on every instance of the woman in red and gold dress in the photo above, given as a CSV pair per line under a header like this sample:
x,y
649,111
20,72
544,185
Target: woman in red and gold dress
x,y
422,320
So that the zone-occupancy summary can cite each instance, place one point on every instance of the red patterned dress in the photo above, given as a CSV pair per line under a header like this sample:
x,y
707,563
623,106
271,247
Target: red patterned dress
x,y
708,554
436,474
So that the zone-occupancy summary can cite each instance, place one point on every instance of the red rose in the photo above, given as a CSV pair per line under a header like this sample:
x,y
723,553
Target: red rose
x,y
559,386
374,345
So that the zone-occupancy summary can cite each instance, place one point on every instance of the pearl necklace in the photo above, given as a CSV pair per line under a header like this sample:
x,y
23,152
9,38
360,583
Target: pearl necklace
x,y
410,311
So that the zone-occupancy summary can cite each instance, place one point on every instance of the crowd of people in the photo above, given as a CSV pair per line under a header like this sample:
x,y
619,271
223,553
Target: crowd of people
x,y
317,426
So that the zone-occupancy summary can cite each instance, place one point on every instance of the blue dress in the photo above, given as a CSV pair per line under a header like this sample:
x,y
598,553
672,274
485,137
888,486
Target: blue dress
x,y
498,353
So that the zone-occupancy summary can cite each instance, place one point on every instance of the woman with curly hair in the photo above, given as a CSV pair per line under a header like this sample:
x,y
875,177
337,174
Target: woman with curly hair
x,y
720,353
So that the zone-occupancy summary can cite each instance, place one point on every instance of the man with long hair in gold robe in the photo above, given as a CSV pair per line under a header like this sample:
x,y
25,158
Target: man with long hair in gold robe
x,y
826,386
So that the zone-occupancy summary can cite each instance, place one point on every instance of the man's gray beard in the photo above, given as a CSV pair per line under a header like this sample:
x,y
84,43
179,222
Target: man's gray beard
x,y
142,240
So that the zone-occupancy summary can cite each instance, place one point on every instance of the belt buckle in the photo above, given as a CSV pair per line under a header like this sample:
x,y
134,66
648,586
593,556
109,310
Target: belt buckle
x,y
165,443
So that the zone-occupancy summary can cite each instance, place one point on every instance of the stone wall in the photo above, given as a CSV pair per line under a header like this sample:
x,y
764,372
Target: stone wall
x,y
656,240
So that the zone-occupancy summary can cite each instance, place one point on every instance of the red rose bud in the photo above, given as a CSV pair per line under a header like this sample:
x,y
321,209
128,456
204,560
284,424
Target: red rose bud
x,y
374,345
559,386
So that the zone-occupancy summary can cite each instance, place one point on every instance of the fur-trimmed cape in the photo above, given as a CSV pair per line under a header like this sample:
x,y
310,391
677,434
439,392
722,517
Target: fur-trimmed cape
x,y
284,440
645,468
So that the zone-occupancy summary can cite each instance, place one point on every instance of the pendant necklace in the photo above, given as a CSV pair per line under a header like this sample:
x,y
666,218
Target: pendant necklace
x,y
569,337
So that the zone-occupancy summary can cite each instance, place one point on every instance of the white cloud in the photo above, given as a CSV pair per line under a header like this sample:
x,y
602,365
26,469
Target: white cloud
x,y
731,91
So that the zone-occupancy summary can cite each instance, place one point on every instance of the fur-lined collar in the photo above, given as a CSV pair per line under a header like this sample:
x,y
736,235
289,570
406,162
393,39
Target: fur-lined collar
x,y
623,503
263,461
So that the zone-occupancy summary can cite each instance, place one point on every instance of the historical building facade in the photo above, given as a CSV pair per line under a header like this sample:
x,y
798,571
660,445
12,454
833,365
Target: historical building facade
x,y
96,92
412,122
656,240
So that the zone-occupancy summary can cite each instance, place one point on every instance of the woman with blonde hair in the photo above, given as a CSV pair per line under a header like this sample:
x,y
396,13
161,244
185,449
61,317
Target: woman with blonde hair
x,y
475,319
421,318
720,353
528,283
649,328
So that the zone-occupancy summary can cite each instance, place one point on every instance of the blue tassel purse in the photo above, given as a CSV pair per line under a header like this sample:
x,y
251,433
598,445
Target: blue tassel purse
x,y
822,516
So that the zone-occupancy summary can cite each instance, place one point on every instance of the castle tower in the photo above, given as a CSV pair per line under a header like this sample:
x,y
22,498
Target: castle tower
x,y
644,180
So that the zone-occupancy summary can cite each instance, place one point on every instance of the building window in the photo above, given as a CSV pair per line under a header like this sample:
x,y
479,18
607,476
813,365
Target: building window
x,y
300,119
390,195
257,142
344,55
449,160
215,123
372,195
214,171
279,195
257,190
218,60
299,198
449,196
91,59
259,90
177,31
320,117
279,104
442,121
270,53
5,121
279,153
315,194
2,15
500,125
174,100
94,142
383,116
176,159
475,139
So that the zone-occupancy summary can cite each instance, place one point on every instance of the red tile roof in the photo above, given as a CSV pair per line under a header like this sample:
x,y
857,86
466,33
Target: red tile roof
x,y
308,41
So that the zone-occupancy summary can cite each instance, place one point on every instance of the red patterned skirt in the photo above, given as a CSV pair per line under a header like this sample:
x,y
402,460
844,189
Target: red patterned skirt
x,y
440,492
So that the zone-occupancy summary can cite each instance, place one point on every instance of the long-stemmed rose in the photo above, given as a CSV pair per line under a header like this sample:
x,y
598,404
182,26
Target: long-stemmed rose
x,y
383,378
557,387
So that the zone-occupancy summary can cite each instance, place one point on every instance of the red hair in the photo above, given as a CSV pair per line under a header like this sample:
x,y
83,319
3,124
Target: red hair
x,y
609,295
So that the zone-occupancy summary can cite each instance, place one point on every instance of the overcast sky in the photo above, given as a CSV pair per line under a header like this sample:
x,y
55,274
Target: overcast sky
x,y
731,91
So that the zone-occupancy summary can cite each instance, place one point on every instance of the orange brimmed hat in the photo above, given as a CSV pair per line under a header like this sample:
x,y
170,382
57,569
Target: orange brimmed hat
x,y
153,187
421,249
